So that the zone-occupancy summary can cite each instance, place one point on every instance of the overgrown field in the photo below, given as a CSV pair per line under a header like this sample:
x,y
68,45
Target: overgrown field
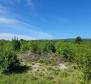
x,y
45,61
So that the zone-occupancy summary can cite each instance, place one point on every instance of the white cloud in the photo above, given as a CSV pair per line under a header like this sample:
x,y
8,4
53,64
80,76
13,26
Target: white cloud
x,y
28,29
18,25
8,21
42,35
10,36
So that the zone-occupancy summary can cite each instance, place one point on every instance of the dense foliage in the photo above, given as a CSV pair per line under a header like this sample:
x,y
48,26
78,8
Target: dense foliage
x,y
8,60
16,44
78,40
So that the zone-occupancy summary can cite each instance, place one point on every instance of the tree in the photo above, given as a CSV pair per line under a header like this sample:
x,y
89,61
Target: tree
x,y
78,40
8,60
16,44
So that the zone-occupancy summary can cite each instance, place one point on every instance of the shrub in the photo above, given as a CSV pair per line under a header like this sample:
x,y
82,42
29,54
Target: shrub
x,y
67,54
25,47
49,47
78,40
34,46
8,60
16,44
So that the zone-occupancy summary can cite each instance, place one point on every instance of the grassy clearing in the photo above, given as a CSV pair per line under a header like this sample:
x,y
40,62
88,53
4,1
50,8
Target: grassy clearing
x,y
44,74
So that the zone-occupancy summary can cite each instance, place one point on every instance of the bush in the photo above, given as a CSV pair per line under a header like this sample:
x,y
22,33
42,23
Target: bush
x,y
25,46
67,54
8,60
49,47
78,40
16,44
34,47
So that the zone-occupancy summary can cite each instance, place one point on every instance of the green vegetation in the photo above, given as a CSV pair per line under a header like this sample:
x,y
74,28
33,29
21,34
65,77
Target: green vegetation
x,y
78,40
45,61
16,44
8,60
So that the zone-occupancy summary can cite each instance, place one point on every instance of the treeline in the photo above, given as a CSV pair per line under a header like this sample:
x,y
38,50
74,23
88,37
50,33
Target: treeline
x,y
74,51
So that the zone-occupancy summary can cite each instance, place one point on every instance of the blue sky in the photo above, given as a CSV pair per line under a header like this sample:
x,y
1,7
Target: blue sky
x,y
45,19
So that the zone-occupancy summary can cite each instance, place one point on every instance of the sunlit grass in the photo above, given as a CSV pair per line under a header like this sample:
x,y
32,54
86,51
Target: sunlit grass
x,y
51,76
